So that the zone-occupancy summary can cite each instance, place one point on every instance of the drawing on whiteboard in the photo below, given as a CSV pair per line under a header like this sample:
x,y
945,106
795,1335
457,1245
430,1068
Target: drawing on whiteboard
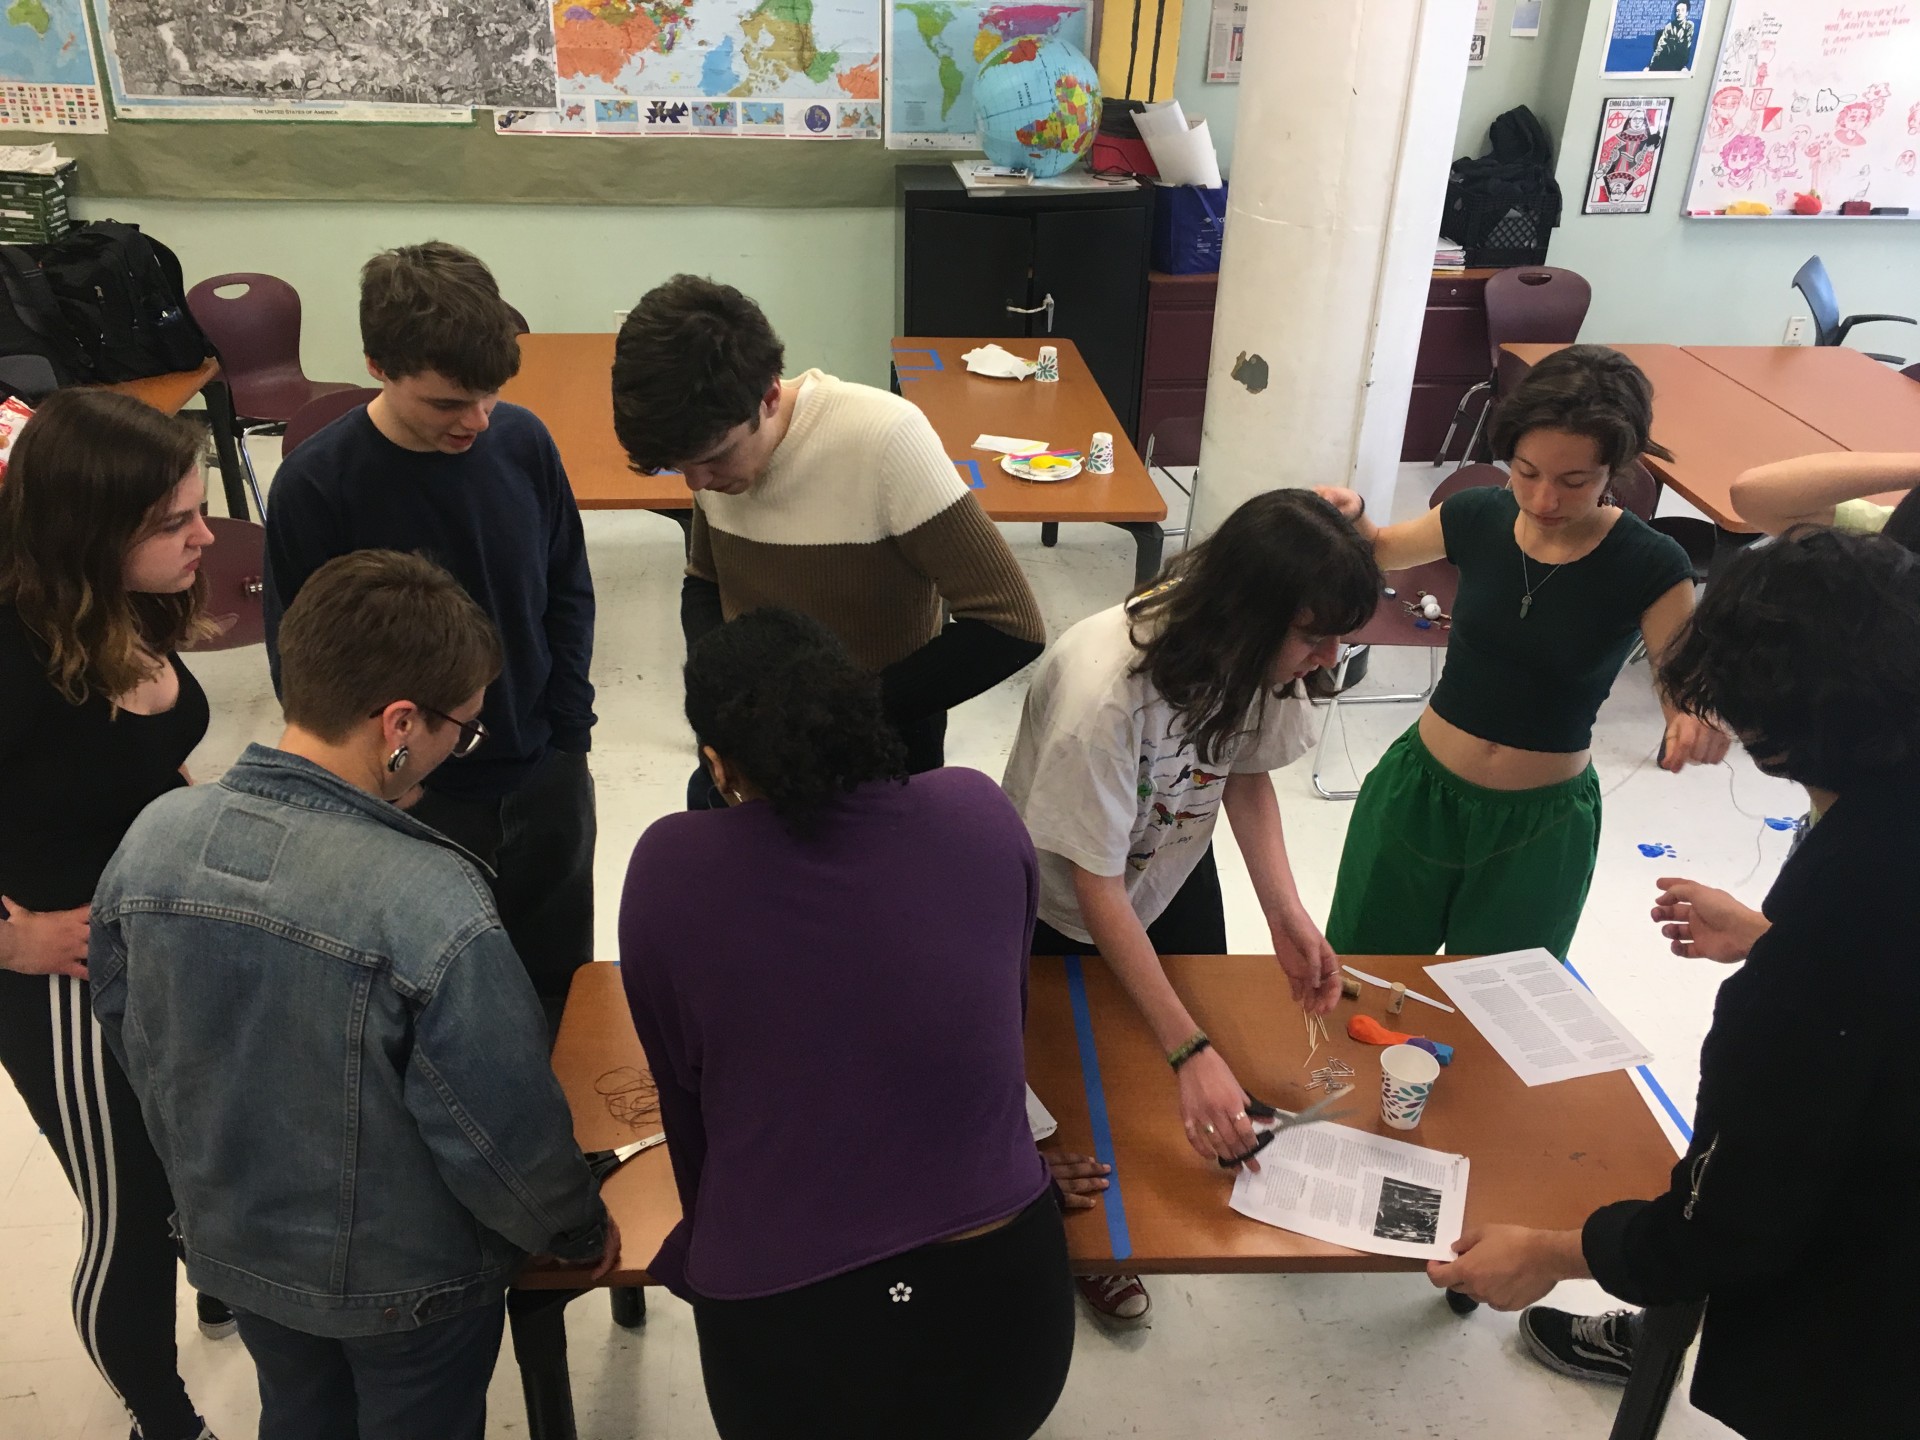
x,y
1806,101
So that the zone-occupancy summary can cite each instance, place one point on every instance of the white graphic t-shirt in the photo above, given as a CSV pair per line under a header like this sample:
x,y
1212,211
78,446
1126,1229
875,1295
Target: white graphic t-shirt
x,y
1103,780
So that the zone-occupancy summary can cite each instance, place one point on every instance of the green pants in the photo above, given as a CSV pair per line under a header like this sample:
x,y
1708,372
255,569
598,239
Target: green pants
x,y
1432,861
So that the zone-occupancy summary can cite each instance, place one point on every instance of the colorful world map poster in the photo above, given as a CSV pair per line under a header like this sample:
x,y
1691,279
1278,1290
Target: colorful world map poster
x,y
934,51
47,78
799,68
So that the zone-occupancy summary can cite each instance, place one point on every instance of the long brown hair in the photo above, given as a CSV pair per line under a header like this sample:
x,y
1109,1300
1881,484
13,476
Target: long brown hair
x,y
83,483
1209,628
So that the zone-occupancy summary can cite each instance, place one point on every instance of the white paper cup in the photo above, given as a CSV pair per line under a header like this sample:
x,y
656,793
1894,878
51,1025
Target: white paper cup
x,y
1407,1074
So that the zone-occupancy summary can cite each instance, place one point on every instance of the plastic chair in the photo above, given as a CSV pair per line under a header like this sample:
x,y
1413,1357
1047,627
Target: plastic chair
x,y
316,415
30,377
1816,287
1393,624
257,332
1528,305
235,569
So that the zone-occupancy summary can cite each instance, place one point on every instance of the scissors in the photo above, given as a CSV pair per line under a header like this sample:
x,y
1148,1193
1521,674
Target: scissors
x,y
604,1162
1281,1122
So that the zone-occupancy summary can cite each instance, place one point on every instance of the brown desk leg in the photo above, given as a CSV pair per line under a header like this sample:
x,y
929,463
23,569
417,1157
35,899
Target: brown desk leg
x,y
1658,1353
1149,540
629,1306
538,1319
226,445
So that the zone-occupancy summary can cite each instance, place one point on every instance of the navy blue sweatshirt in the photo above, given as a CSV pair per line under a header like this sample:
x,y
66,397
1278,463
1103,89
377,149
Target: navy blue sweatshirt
x,y
502,519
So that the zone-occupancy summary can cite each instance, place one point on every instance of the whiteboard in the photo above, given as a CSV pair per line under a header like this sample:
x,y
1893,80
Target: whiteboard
x,y
1814,96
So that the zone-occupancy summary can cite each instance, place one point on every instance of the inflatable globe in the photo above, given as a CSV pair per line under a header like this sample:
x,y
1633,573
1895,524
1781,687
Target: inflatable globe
x,y
1038,105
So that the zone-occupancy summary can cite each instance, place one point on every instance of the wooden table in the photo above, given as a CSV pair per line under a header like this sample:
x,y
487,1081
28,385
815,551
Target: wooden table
x,y
930,372
1544,1156
169,393
1856,402
564,379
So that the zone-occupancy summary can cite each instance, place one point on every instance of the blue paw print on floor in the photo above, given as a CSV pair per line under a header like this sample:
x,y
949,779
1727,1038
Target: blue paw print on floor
x,y
1782,822
1658,852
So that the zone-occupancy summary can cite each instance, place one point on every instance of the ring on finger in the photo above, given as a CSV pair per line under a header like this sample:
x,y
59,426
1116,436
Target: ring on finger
x,y
1209,1129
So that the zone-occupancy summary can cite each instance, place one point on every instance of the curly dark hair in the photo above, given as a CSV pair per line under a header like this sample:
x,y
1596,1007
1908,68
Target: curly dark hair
x,y
437,307
1208,628
776,694
693,360
1585,390
1809,649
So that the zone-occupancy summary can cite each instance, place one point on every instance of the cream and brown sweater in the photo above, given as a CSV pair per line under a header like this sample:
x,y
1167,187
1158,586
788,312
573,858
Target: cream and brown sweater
x,y
862,522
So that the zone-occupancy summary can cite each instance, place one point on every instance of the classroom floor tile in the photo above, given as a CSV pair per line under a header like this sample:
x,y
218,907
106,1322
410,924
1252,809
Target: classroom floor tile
x,y
1300,1356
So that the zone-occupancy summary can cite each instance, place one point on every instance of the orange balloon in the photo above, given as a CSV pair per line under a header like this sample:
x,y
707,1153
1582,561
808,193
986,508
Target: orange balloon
x,y
1369,1031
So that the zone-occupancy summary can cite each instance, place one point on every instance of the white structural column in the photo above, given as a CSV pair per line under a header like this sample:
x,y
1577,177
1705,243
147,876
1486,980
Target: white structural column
x,y
1347,118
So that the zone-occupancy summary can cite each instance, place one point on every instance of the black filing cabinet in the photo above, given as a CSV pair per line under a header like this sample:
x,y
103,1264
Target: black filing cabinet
x,y
1025,265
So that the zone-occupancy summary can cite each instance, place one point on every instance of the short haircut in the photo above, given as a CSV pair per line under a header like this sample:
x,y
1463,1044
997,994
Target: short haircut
x,y
1809,649
693,360
89,475
1584,390
776,694
374,627
436,307
1209,628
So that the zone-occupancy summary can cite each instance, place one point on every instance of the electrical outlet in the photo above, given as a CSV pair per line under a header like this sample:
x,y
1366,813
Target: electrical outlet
x,y
1799,330
620,318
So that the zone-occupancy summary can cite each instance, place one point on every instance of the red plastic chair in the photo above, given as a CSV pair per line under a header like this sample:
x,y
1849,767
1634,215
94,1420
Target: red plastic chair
x,y
1528,305
235,568
316,415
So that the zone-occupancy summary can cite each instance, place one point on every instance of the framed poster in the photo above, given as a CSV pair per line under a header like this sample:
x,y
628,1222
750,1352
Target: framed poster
x,y
1482,28
1626,155
1654,37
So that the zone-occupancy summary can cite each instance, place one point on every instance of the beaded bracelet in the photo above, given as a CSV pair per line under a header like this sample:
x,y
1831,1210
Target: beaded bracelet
x,y
1189,1048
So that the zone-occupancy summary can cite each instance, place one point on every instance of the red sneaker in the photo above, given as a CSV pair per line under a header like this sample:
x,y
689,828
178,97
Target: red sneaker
x,y
1121,1299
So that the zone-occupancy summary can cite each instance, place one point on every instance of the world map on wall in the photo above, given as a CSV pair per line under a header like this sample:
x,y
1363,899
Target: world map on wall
x,y
938,47
47,79
739,49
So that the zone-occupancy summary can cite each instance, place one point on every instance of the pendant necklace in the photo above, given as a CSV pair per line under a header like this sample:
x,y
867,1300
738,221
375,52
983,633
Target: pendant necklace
x,y
1526,581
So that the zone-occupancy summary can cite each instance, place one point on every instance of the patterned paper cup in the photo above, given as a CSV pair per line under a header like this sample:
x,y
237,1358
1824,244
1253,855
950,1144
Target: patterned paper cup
x,y
1407,1074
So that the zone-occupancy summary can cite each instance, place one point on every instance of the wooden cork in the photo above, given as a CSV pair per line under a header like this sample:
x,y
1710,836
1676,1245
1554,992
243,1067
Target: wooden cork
x,y
1350,987
1398,1000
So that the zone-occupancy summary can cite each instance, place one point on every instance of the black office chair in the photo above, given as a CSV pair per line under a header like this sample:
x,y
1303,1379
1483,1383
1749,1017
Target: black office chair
x,y
30,377
1816,286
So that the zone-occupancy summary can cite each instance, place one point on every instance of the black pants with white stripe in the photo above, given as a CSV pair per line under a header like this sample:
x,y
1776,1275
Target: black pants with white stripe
x,y
124,1286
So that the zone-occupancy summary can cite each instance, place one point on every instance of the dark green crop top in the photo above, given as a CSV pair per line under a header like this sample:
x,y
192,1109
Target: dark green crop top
x,y
1536,683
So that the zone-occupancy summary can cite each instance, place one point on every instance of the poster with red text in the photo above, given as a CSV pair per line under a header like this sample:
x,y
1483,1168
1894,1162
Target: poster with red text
x,y
1626,156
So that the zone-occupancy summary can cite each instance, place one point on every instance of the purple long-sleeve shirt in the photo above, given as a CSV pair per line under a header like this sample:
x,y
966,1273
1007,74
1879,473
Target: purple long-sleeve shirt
x,y
834,1024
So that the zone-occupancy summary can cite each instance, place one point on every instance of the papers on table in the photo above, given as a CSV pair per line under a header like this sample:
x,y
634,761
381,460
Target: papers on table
x,y
1008,444
1039,1120
1545,1024
1366,1192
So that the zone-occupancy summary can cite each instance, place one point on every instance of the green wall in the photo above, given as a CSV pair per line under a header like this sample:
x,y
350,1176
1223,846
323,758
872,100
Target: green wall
x,y
1536,72
1660,278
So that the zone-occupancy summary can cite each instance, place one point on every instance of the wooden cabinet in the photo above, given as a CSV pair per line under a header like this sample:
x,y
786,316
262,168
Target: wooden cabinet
x,y
1173,388
1453,358
1027,266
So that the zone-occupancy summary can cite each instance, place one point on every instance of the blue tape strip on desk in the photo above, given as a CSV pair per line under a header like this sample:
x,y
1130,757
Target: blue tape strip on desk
x,y
972,469
1646,1074
1116,1208
933,359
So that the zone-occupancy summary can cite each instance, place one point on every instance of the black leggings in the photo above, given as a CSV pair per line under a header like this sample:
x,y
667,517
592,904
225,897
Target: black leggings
x,y
967,1340
124,1285
1194,922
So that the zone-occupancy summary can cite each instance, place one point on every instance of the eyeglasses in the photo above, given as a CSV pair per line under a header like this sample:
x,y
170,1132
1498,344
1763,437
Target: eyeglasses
x,y
472,732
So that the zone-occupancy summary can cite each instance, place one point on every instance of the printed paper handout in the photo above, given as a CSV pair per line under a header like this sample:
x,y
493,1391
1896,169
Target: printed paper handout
x,y
1366,1192
1545,1024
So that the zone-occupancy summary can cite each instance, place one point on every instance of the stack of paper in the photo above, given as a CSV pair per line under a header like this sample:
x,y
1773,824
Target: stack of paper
x,y
1182,149
1544,1023
1449,258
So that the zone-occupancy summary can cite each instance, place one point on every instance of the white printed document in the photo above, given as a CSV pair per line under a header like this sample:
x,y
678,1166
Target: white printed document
x,y
1545,1024
1366,1192
1039,1119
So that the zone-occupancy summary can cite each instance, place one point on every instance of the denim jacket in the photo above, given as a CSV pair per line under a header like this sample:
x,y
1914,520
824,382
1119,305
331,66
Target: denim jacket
x,y
338,1054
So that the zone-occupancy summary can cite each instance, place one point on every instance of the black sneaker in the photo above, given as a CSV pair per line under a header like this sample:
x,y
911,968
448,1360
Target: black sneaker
x,y
1587,1347
216,1320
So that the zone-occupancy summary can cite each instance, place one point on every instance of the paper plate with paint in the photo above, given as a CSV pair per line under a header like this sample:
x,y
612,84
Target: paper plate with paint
x,y
1042,469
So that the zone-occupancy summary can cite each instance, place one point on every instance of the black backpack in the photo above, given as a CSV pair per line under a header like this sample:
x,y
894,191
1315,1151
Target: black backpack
x,y
120,300
1502,205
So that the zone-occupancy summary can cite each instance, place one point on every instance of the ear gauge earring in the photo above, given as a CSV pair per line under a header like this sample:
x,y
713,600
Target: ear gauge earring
x,y
397,760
